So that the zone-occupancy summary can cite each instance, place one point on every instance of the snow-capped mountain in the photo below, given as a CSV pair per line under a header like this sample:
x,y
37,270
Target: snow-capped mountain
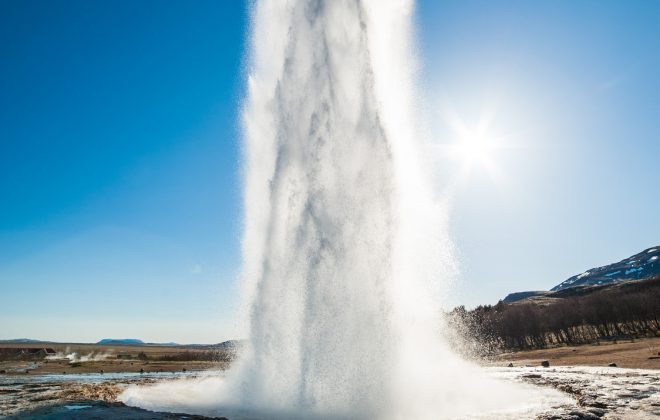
x,y
640,266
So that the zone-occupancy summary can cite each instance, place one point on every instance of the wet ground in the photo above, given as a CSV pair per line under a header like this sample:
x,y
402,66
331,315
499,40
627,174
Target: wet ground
x,y
593,393
88,410
22,393
598,392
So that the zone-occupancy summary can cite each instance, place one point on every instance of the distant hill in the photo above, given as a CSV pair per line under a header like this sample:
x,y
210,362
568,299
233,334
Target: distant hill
x,y
548,297
121,342
640,266
230,344
515,297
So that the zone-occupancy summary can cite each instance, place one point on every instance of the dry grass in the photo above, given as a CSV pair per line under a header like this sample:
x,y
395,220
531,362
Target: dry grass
x,y
640,354
111,363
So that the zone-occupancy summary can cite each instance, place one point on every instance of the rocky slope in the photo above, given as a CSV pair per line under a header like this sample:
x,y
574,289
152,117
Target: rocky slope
x,y
643,265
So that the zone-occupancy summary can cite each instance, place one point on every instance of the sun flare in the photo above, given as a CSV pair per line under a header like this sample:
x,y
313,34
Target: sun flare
x,y
471,144
474,149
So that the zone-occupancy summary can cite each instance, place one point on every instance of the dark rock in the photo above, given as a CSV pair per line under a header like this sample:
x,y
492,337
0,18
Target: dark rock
x,y
545,363
586,415
99,410
596,404
612,365
510,365
597,411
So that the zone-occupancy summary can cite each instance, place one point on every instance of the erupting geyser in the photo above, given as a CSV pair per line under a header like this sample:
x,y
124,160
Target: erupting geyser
x,y
345,252
338,222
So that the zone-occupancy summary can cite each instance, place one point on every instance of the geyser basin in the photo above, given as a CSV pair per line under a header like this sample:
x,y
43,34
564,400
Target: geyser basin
x,y
502,396
346,253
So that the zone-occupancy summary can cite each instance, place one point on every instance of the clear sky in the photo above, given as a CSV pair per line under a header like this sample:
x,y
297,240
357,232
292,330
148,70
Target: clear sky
x,y
120,154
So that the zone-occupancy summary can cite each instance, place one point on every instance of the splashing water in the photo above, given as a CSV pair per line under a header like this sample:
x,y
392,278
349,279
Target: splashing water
x,y
345,251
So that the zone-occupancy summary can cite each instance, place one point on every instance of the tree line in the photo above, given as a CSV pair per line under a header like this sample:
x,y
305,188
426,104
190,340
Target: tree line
x,y
628,310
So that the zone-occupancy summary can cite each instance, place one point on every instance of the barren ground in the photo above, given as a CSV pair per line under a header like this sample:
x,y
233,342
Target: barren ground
x,y
600,392
637,354
109,363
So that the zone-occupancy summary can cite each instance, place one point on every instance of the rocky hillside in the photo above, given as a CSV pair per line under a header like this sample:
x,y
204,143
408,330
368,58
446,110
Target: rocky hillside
x,y
640,266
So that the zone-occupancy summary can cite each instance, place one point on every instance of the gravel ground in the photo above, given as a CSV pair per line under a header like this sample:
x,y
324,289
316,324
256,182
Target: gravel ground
x,y
586,393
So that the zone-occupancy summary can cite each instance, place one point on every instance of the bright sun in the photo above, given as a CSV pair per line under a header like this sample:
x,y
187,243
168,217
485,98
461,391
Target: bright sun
x,y
474,149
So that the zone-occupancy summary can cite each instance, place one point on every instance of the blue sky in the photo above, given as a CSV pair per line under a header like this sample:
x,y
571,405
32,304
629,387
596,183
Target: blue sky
x,y
574,95
120,156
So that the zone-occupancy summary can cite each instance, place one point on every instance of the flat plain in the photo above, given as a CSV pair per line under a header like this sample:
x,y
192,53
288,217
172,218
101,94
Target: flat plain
x,y
635,354
94,358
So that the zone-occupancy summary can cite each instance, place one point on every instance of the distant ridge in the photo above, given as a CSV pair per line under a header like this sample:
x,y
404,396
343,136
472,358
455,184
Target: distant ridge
x,y
514,297
23,340
121,342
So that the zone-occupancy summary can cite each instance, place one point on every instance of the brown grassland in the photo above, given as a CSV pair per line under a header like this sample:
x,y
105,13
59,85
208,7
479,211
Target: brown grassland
x,y
118,359
640,354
